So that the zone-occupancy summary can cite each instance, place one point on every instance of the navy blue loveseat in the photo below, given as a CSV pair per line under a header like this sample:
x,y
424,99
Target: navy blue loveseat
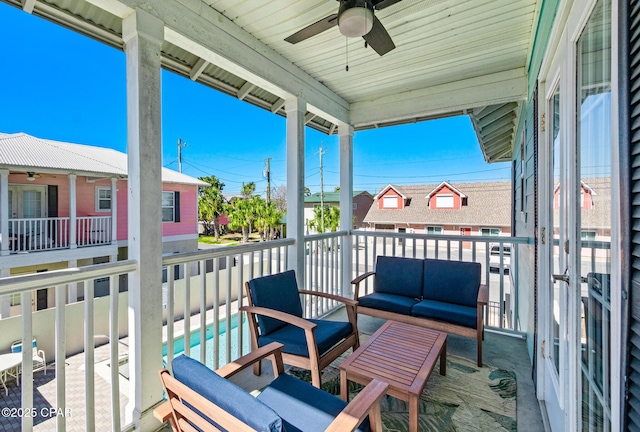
x,y
442,295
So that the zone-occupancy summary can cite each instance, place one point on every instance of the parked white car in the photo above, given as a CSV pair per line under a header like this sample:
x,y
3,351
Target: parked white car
x,y
494,258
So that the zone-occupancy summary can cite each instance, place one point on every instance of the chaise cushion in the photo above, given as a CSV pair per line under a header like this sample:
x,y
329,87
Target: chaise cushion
x,y
328,333
452,313
225,394
388,302
303,408
279,292
453,282
400,276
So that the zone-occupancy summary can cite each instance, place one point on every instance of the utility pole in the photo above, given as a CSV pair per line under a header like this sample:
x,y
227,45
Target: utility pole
x,y
267,174
321,153
180,145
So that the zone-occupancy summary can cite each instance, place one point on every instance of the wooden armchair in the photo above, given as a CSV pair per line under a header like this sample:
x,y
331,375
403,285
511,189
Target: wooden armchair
x,y
200,397
275,315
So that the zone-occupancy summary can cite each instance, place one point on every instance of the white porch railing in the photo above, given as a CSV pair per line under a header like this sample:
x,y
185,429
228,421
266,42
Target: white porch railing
x,y
93,230
41,234
37,234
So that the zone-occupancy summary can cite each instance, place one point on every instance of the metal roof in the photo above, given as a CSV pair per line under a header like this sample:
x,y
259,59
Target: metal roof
x,y
22,152
453,57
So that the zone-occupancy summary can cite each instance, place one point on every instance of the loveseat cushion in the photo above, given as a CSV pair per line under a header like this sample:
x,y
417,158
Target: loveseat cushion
x,y
453,282
400,276
279,292
303,408
388,302
452,313
328,333
225,394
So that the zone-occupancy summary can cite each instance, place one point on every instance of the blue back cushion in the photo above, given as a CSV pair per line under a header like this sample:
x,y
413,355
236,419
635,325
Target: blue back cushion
x,y
454,282
225,394
400,276
278,291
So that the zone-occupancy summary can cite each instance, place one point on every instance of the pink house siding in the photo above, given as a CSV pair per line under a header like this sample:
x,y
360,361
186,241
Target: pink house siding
x,y
444,190
390,193
86,201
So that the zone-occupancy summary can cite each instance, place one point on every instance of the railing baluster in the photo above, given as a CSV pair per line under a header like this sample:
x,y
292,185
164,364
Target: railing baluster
x,y
186,320
27,358
227,309
114,338
240,299
203,311
269,263
60,355
89,357
170,315
215,337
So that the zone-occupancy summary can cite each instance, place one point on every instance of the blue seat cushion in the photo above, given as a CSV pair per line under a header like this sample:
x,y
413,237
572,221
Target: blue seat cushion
x,y
302,407
225,394
388,302
454,282
328,333
451,313
400,276
279,292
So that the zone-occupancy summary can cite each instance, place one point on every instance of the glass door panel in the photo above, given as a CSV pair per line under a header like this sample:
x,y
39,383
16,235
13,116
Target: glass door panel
x,y
557,268
594,209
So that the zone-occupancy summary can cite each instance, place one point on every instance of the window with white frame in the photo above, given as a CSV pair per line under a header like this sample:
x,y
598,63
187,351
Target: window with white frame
x,y
588,235
103,199
355,206
490,231
168,207
390,202
434,230
15,299
444,201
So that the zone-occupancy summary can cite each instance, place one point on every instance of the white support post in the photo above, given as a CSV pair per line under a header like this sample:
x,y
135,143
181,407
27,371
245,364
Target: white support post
x,y
114,211
4,212
295,109
73,239
5,301
143,35
345,132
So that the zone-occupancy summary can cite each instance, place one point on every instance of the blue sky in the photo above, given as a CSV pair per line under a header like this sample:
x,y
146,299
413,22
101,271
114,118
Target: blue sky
x,y
57,84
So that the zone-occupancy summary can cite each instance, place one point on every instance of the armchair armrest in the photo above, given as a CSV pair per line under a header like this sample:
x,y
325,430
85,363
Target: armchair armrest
x,y
274,349
356,282
282,316
362,277
483,295
345,300
367,401
163,412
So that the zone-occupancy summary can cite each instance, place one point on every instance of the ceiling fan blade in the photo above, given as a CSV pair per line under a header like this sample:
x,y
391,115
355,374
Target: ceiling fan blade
x,y
378,38
381,4
316,28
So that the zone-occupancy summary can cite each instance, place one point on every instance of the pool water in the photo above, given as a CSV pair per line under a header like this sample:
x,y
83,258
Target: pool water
x,y
194,342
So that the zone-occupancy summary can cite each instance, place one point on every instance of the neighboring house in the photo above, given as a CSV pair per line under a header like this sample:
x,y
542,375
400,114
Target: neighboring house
x,y
460,209
362,200
65,205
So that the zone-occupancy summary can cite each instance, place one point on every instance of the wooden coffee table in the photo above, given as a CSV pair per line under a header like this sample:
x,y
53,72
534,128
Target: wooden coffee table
x,y
402,355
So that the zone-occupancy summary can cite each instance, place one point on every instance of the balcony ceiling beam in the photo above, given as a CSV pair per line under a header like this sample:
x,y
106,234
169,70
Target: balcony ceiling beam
x,y
502,87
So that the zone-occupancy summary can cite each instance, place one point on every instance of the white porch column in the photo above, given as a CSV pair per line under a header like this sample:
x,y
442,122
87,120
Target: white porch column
x,y
4,212
5,301
295,108
143,35
345,132
114,211
73,241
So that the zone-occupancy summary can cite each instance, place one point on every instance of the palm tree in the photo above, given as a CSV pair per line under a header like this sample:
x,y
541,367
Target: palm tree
x,y
248,189
211,205
242,213
268,218
331,220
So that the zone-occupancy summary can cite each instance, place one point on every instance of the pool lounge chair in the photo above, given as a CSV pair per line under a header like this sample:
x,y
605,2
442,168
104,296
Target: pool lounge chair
x,y
39,361
200,397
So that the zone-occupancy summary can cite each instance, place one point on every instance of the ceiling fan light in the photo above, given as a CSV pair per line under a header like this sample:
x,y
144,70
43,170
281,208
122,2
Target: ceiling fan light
x,y
355,22
31,176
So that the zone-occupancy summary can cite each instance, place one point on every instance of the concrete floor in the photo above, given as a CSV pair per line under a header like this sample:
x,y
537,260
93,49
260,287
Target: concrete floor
x,y
506,352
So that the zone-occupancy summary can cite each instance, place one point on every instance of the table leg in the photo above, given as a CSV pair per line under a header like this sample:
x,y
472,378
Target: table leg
x,y
2,381
443,359
344,394
413,413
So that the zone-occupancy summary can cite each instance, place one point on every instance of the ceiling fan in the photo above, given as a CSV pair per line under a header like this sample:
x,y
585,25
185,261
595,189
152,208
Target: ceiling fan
x,y
355,18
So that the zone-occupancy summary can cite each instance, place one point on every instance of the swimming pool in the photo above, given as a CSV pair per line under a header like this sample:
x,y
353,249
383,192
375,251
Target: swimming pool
x,y
194,342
